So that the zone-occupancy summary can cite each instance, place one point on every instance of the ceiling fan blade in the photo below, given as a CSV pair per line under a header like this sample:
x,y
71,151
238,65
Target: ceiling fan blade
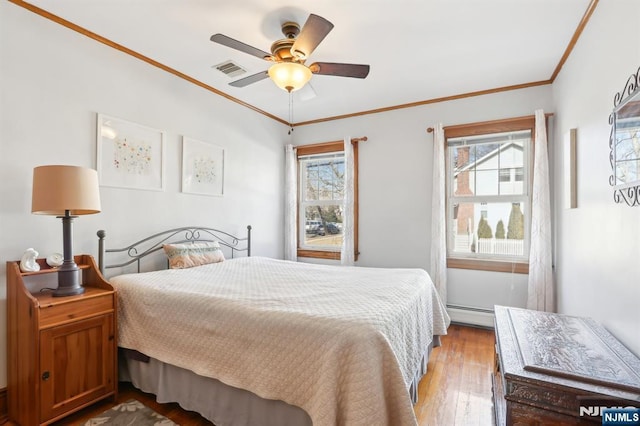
x,y
340,70
238,45
312,33
306,93
254,78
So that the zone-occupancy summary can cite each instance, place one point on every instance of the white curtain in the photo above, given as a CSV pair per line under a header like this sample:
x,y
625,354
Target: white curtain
x,y
438,215
347,254
290,204
541,294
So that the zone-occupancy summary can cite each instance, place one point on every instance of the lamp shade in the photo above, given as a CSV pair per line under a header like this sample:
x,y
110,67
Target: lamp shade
x,y
289,76
57,189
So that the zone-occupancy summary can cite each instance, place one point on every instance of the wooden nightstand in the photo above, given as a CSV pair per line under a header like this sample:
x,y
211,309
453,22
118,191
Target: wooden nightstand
x,y
61,351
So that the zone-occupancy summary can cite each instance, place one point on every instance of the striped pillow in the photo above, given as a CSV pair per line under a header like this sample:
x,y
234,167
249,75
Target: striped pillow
x,y
193,254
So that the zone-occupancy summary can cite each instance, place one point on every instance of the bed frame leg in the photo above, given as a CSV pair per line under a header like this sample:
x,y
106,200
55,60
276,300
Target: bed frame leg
x,y
248,240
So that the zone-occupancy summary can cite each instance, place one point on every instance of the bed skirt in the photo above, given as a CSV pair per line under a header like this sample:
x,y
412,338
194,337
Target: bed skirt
x,y
219,403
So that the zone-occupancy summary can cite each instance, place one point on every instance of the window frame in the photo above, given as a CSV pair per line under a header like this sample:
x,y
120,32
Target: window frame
x,y
486,263
325,148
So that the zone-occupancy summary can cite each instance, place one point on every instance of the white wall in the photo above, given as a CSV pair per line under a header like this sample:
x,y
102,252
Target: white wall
x,y
598,243
395,167
53,81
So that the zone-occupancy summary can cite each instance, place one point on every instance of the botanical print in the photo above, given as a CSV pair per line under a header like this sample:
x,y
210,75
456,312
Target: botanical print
x,y
132,157
204,170
129,155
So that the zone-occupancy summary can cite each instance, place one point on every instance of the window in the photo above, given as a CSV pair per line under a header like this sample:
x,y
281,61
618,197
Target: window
x,y
488,187
321,199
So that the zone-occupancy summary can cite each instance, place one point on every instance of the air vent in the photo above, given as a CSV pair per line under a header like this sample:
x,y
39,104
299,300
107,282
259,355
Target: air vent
x,y
230,69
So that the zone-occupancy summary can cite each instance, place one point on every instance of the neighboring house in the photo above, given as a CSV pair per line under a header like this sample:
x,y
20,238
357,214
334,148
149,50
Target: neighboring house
x,y
498,171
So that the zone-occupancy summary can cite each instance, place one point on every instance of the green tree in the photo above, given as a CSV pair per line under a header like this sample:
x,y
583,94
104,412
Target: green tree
x,y
484,229
500,230
515,230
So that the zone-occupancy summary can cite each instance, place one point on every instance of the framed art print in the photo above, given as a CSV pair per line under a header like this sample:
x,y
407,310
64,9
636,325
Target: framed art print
x,y
202,168
129,155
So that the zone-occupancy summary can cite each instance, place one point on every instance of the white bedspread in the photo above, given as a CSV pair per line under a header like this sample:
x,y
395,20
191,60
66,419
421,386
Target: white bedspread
x,y
340,342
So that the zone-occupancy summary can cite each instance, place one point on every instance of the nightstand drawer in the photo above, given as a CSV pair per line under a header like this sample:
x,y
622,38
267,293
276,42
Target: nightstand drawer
x,y
82,307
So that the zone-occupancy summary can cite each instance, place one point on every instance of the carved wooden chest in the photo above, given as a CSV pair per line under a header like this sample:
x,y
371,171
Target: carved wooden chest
x,y
554,369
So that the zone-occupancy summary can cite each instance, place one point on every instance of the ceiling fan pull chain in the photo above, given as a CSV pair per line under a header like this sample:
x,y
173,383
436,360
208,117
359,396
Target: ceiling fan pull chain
x,y
290,112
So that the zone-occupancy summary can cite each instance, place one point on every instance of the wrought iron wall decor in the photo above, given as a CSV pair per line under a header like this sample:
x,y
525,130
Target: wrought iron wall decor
x,y
624,143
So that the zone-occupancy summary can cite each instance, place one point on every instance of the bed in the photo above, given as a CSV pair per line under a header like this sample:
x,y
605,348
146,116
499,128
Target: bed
x,y
249,340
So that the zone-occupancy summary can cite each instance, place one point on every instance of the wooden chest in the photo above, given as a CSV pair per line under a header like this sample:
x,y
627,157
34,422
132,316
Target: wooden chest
x,y
558,369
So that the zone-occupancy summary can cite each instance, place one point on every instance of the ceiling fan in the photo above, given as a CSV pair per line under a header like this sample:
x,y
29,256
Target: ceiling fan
x,y
289,54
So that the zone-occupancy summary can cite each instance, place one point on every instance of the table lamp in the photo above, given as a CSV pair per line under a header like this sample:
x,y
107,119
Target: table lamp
x,y
66,192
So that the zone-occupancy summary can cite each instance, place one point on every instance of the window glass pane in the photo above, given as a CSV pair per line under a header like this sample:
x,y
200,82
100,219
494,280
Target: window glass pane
x,y
627,146
323,178
486,165
519,174
486,182
513,182
488,228
311,189
464,172
512,161
486,156
323,225
627,171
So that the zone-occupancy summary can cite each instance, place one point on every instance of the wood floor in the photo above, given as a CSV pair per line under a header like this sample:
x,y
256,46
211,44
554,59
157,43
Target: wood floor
x,y
455,391
457,387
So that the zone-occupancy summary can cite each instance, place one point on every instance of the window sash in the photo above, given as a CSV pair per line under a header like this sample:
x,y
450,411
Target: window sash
x,y
523,200
499,137
334,240
304,161
509,131
313,161
476,174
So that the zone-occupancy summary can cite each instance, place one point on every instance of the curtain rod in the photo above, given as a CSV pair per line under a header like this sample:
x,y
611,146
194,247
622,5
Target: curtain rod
x,y
353,140
546,115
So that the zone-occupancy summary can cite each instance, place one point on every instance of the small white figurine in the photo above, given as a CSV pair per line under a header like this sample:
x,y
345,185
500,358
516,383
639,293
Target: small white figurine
x,y
54,260
28,262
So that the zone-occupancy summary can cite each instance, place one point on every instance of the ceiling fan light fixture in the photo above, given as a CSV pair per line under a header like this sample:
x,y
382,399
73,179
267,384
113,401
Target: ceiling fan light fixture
x,y
289,76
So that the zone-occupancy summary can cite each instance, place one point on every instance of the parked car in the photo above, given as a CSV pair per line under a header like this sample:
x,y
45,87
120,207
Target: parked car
x,y
314,227
333,228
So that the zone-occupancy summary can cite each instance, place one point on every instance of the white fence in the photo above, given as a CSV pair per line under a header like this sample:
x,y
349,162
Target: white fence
x,y
500,246
464,244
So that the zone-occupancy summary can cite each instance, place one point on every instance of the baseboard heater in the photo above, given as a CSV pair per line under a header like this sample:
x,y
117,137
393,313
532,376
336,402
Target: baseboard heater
x,y
470,315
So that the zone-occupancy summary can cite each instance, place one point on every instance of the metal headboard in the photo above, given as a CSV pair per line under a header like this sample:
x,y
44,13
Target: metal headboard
x,y
140,249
